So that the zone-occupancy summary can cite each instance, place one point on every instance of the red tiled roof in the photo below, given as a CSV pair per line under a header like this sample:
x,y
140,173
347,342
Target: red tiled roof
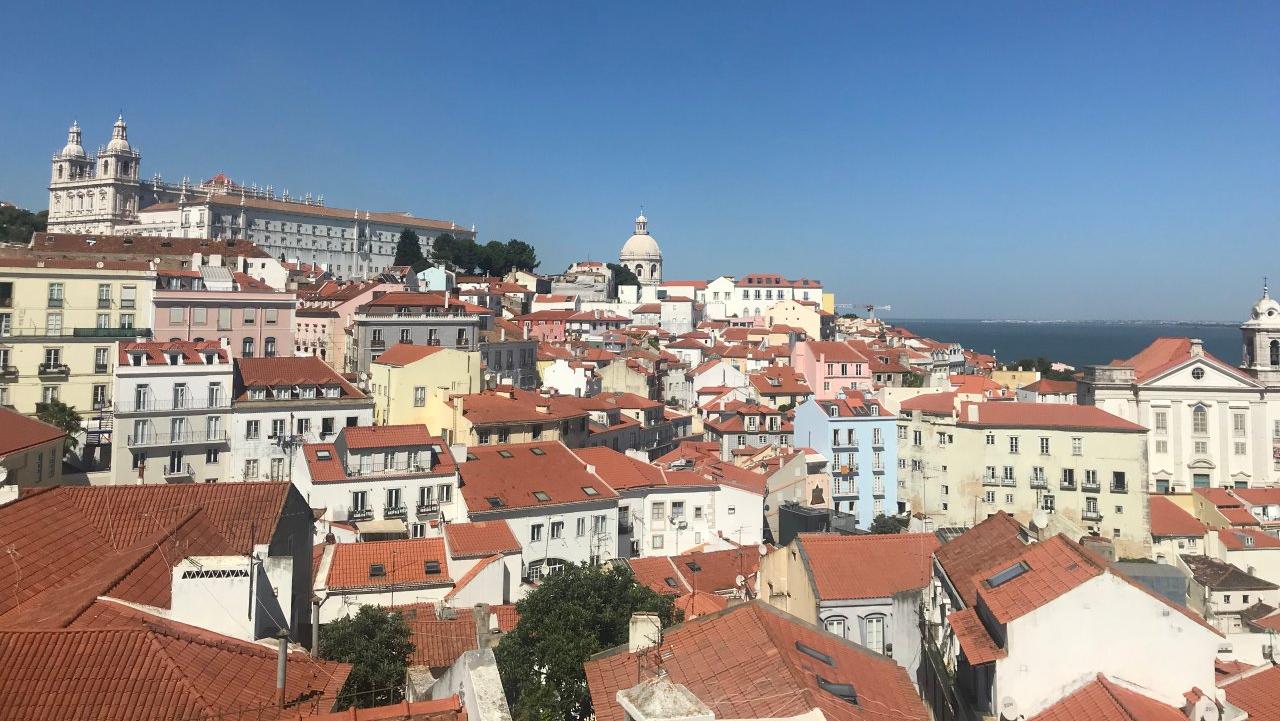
x,y
147,246
192,352
22,433
869,566
717,570
1104,700
659,574
329,468
410,434
1049,386
1167,353
490,407
410,299
151,670
975,641
1054,567
1168,519
1245,539
700,603
546,467
1258,496
289,371
997,539
744,662
445,709
1256,694
830,351
480,539
1238,516
621,471
932,403
439,641
1220,497
403,564
402,354
1043,415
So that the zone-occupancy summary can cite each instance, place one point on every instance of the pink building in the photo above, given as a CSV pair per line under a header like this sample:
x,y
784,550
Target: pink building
x,y
215,303
830,366
326,311
555,326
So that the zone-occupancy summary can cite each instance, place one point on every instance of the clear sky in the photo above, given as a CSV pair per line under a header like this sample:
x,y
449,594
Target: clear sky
x,y
1017,160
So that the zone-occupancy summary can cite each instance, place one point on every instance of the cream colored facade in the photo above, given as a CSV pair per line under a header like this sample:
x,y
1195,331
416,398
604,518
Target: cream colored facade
x,y
1084,479
60,321
796,315
1014,378
418,391
785,583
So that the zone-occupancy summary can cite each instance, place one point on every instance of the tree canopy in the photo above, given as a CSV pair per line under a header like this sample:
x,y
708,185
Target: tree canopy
x,y
1045,367
409,250
59,414
576,612
493,258
888,524
376,643
18,224
622,275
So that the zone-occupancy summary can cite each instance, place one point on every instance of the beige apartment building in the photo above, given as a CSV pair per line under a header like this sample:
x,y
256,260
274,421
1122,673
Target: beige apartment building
x,y
1085,469
60,321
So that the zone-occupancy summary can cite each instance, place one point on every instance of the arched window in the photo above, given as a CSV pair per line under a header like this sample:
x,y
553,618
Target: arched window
x,y
247,351
1275,352
836,625
639,270
269,347
105,164
59,172
1200,420
653,270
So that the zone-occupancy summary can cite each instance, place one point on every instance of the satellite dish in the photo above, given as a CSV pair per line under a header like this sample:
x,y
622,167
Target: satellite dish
x,y
1008,709
1210,711
1040,519
739,580
763,549
364,375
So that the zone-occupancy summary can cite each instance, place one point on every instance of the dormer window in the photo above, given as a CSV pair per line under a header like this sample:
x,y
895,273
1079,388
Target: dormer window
x,y
257,394
175,359
308,391
332,392
135,359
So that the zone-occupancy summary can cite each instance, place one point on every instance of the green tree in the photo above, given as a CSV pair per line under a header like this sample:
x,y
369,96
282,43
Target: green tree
x,y
408,249
521,256
576,612
376,644
18,224
622,275
60,415
888,524
1045,367
913,380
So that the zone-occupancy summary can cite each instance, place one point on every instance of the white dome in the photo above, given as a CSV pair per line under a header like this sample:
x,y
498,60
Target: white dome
x,y
119,142
73,148
1266,309
641,247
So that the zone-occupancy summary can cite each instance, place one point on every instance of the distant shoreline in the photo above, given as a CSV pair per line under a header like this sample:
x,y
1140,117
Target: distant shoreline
x,y
893,321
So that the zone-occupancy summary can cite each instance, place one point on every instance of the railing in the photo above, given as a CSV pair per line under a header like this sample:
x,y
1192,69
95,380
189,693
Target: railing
x,y
184,404
181,471
1091,515
990,481
170,439
1011,482
393,468
427,509
397,512
114,332
45,332
1119,487
54,369
360,514
55,302
1039,482
104,303
101,367
1067,485
1090,486
9,373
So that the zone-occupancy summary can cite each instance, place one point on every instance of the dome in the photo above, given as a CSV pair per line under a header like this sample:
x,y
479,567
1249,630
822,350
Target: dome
x,y
1266,312
641,246
73,148
119,143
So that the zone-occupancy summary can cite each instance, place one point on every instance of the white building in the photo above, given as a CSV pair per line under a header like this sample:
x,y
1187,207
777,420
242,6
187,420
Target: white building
x,y
642,255
280,404
172,408
94,194
752,295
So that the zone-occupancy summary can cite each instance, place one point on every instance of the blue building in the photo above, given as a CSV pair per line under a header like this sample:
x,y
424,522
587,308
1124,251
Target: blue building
x,y
858,437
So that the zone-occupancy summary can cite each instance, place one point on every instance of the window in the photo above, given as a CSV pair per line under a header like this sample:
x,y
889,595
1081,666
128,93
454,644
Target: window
x,y
1162,422
836,625
1199,420
991,439
1047,502
1013,444
989,497
917,438
658,511
1162,446
557,529
175,315
277,469
1077,446
1238,424
251,469
731,510
53,323
581,527
247,348
1201,448
419,396
1241,448
359,500
677,509
1044,446
269,347
417,530
55,295
873,637
101,360
199,316
1118,482
250,316
1008,473
535,532
252,430
278,427
99,395
211,455
272,315
1008,498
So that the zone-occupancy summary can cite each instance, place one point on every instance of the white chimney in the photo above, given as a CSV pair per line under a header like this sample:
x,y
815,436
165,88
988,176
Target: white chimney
x,y
645,631
1197,348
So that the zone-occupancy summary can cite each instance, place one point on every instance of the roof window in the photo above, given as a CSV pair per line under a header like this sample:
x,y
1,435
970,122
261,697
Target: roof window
x,y
590,491
541,495
431,567
1008,574
842,691
537,451
377,570
505,454
670,581
693,566
495,502
323,455
814,653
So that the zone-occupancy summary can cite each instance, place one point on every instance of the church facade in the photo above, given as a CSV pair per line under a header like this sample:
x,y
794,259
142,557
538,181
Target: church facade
x,y
104,193
1210,424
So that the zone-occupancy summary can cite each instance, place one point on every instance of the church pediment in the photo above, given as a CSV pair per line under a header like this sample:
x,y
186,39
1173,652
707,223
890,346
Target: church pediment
x,y
1202,372
1202,464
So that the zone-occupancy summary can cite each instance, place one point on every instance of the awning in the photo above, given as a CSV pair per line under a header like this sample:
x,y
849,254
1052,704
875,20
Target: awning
x,y
384,526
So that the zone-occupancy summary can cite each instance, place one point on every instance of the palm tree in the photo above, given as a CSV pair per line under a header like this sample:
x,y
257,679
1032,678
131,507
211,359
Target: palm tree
x,y
60,415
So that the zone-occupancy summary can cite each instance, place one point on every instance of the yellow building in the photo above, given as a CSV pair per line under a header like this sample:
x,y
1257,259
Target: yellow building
x,y
1015,378
797,315
60,321
413,383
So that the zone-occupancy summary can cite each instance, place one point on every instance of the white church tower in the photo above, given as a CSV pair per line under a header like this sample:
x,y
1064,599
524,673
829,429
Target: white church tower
x,y
642,255
94,194
1261,335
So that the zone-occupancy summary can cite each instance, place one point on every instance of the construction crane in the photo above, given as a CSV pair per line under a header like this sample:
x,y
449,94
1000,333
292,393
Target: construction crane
x,y
869,308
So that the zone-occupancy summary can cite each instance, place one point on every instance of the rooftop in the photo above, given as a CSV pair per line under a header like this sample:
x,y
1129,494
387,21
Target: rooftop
x,y
868,566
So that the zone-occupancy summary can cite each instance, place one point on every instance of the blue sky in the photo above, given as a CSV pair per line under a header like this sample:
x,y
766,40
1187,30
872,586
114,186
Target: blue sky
x,y
1016,160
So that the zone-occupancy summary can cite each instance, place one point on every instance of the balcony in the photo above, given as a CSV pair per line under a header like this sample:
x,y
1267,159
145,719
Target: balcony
x,y
179,472
377,344
1010,482
396,512
1090,486
428,510
55,302
8,373
53,370
113,332
1091,515
1119,487
360,514
878,470
146,405
990,481
145,440
1042,483
1067,486
104,303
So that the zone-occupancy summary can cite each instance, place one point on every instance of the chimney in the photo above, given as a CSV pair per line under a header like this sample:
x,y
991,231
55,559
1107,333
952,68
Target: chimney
x,y
971,412
1197,348
645,631
282,658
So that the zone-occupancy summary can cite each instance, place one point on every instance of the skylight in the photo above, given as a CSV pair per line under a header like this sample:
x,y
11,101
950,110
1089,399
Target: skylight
x,y
323,455
590,491
670,581
431,567
494,502
812,652
1008,574
842,691
376,570
537,451
541,495
505,454
693,566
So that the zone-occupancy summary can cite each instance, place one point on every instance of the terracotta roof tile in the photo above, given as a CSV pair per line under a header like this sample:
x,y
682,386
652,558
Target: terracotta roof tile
x,y
1104,700
440,637
1169,519
22,432
402,354
997,539
512,474
1051,568
1245,539
975,641
480,539
869,566
1256,694
403,563
289,371
411,434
